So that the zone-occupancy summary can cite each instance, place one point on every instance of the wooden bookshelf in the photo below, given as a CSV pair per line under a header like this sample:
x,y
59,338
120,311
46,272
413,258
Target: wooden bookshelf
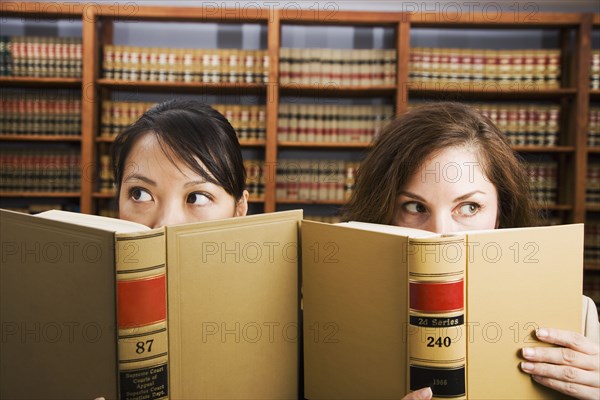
x,y
48,13
323,145
183,87
469,91
332,90
41,194
97,31
40,138
307,201
30,82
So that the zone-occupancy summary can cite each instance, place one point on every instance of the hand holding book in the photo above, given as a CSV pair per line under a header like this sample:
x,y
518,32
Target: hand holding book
x,y
571,368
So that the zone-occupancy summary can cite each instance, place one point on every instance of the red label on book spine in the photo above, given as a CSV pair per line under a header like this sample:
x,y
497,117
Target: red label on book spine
x,y
436,297
141,301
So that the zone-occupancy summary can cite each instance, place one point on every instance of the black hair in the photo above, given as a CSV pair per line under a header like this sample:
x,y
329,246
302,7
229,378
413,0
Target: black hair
x,y
196,133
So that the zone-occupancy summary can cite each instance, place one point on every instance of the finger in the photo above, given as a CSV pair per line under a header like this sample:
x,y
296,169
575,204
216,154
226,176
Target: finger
x,y
569,388
572,340
562,373
421,394
561,356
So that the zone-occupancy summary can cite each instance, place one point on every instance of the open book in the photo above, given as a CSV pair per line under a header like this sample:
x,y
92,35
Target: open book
x,y
389,310
93,306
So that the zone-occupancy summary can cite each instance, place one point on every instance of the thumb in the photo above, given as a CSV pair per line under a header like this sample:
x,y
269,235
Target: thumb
x,y
421,394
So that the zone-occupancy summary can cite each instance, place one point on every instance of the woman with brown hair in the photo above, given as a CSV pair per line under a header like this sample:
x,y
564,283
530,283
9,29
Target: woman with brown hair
x,y
446,168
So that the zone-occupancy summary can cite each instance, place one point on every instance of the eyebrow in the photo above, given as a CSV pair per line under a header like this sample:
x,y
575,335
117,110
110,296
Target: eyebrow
x,y
151,182
194,183
460,198
142,178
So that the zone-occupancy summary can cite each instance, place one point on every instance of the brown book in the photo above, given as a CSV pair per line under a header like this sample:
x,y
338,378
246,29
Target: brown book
x,y
388,310
86,307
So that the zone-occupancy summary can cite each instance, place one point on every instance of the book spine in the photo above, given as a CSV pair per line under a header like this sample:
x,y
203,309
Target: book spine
x,y
142,315
437,346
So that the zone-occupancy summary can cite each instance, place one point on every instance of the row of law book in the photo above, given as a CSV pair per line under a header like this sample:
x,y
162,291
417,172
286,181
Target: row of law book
x,y
591,286
331,123
592,191
449,65
525,124
594,127
249,121
315,180
154,64
592,242
337,67
255,178
43,113
595,70
543,182
40,170
40,56
106,180
229,320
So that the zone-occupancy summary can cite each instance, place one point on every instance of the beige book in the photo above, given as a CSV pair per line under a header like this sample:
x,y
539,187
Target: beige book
x,y
363,307
230,302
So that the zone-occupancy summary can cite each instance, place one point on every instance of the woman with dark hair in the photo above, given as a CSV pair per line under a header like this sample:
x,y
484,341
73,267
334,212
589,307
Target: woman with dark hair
x,y
446,168
179,162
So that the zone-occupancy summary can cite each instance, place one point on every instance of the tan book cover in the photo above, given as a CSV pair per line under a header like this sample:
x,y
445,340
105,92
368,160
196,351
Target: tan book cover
x,y
231,308
360,313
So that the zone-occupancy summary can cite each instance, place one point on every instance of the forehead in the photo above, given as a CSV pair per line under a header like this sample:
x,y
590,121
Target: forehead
x,y
450,166
147,154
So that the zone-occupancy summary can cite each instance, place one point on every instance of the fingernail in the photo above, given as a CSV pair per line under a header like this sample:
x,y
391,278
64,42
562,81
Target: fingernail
x,y
541,332
526,366
528,352
535,377
424,393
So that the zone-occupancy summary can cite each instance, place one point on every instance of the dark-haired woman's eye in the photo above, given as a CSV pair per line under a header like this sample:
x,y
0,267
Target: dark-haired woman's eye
x,y
139,194
197,198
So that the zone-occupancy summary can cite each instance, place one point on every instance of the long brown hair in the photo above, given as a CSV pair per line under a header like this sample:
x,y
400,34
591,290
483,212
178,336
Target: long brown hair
x,y
408,141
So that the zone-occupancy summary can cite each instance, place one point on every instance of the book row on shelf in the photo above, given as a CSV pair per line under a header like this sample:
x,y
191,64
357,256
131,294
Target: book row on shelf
x,y
331,123
249,121
442,65
315,180
43,113
40,170
595,70
592,242
351,67
40,56
592,192
594,127
525,124
255,178
185,65
543,181
591,287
